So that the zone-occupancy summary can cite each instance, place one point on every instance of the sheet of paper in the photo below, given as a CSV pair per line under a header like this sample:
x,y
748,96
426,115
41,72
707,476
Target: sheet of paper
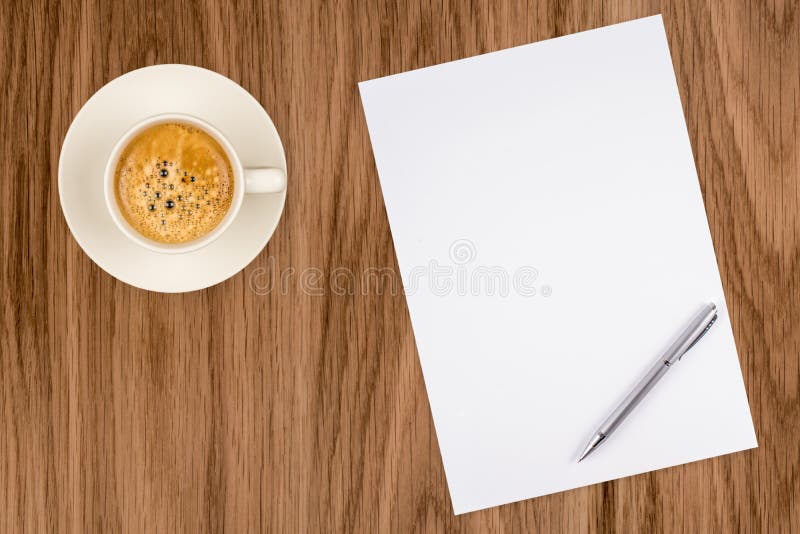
x,y
551,234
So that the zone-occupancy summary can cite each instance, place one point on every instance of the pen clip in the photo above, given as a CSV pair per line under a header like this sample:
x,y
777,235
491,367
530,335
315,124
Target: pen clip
x,y
699,336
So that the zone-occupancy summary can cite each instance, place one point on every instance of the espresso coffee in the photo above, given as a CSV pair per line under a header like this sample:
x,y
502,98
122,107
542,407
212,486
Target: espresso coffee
x,y
174,183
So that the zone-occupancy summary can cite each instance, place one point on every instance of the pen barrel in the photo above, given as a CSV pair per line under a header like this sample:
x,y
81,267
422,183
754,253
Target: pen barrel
x,y
697,327
634,397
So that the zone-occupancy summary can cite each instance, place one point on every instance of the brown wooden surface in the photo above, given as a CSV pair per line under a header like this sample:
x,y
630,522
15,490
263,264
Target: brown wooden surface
x,y
230,410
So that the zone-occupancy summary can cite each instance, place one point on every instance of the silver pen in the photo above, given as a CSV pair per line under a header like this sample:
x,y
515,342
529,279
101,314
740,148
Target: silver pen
x,y
691,335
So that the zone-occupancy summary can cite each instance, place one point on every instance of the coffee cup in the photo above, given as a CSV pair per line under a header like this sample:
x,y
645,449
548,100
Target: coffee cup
x,y
250,180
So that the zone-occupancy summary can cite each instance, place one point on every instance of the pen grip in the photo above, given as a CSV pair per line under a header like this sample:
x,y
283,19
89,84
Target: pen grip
x,y
633,398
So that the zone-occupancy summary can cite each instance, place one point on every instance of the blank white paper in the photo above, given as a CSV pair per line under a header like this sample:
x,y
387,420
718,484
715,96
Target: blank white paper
x,y
551,234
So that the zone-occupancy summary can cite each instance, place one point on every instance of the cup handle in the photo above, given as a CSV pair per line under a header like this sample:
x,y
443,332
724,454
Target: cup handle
x,y
264,180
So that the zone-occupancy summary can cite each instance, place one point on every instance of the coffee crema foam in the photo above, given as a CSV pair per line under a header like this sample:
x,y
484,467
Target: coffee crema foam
x,y
173,183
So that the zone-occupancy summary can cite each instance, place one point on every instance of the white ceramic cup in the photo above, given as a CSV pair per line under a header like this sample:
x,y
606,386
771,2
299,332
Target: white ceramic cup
x,y
246,180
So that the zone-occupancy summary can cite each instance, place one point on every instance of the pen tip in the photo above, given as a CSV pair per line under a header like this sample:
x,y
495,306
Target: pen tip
x,y
592,445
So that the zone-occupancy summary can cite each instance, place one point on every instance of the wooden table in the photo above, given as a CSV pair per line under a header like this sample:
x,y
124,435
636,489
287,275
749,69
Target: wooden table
x,y
239,409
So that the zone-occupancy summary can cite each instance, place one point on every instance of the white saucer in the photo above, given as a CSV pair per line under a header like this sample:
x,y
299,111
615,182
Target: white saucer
x,y
102,121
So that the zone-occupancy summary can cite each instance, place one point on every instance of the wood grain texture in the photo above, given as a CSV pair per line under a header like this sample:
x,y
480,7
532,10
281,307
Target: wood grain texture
x,y
236,409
